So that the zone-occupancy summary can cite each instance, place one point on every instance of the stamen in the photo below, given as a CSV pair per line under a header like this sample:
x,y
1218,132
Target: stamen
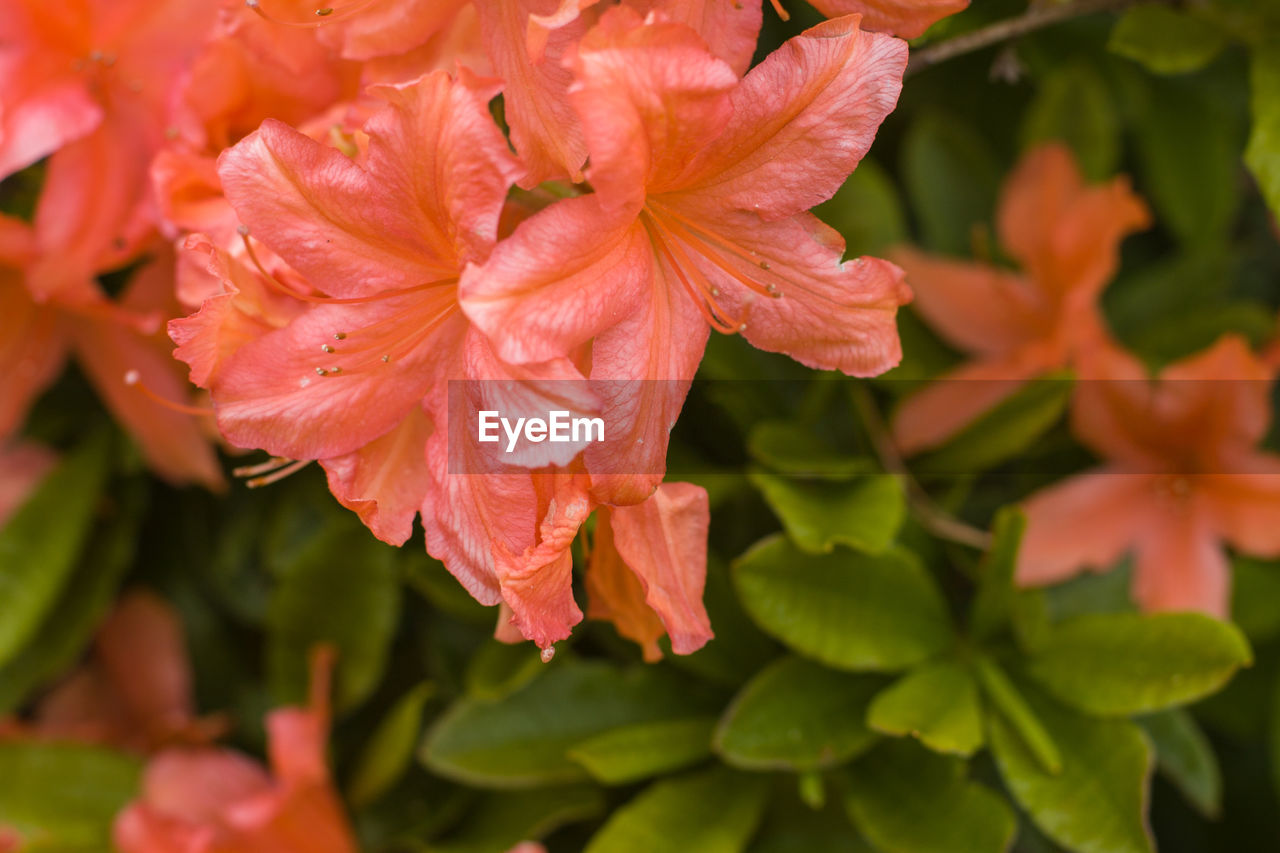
x,y
656,236
326,348
782,13
133,379
324,13
262,467
709,238
277,476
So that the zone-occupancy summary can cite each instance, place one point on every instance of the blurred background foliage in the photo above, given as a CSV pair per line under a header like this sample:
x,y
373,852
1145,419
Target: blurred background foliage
x,y
872,685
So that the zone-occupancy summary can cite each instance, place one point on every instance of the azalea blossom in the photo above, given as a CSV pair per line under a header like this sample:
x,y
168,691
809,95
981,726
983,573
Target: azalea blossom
x,y
698,220
134,692
211,800
1181,476
1065,236
109,339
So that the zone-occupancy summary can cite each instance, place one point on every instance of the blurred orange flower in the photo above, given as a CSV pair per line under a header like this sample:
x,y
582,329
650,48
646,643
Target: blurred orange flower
x,y
1182,475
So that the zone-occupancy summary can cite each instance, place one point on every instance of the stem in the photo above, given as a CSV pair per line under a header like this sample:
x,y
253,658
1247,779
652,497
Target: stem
x,y
931,516
1037,17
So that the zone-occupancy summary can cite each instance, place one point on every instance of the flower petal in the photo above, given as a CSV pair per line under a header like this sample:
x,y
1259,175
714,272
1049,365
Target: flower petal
x,y
975,307
954,400
566,274
1085,522
616,594
664,541
729,29
1180,565
385,482
802,120
906,18
1245,504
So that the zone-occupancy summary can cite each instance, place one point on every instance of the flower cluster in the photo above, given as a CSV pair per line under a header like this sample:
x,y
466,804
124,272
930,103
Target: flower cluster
x,y
1182,473
359,205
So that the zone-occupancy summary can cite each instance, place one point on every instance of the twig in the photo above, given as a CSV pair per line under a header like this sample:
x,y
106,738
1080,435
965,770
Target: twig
x,y
931,516
1037,17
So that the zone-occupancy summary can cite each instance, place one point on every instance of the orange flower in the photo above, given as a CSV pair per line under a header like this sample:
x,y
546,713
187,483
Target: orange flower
x,y
135,690
1182,475
1066,237
219,801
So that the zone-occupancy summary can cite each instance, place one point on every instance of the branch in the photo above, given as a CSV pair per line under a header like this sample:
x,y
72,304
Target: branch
x,y
1037,17
931,516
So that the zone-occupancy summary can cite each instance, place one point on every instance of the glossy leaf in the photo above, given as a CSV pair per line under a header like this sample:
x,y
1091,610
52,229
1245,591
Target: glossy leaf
x,y
501,821
630,753
937,703
906,799
864,513
994,601
1164,40
1097,802
848,610
64,796
797,715
1129,663
715,811
524,739
41,541
1263,152
389,752
1185,756
347,565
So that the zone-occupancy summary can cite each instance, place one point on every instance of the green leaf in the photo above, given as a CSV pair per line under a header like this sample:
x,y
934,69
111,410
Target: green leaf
x,y
42,540
1005,431
1009,703
937,703
1188,139
497,669
1185,757
1097,802
715,811
501,821
1263,152
1133,663
848,610
69,628
864,513
993,604
801,829
389,751
792,449
1255,589
866,210
908,800
64,795
631,753
1074,106
797,715
951,177
523,740
342,590
1164,40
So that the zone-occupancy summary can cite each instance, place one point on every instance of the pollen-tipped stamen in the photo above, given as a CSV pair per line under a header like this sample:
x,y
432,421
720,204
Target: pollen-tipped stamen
x,y
320,15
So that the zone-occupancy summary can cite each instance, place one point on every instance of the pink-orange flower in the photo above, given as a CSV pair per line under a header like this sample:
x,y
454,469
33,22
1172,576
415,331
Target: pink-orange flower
x,y
1066,238
88,82
1182,475
109,339
207,800
698,218
134,691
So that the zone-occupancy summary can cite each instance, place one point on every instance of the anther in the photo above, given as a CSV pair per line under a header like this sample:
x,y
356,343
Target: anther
x,y
764,265
386,358
325,12
243,230
773,290
326,348
715,291
339,336
320,371
335,369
